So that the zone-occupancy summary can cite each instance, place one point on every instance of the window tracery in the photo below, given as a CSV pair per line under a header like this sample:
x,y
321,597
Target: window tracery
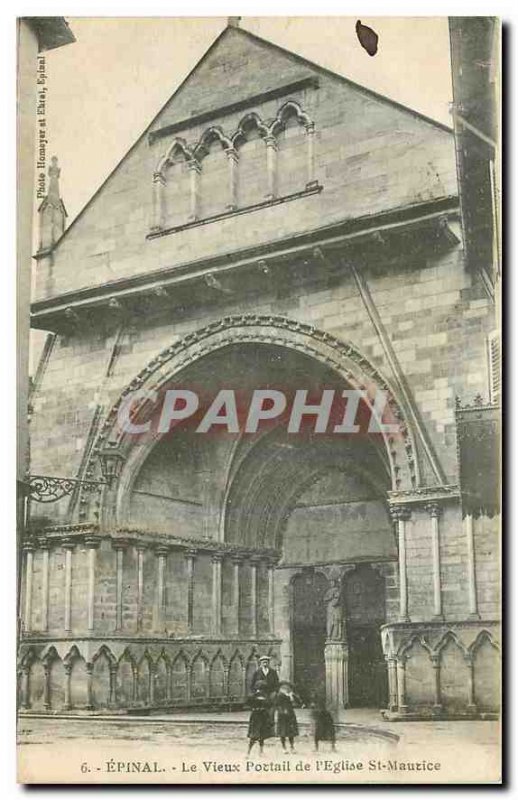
x,y
258,163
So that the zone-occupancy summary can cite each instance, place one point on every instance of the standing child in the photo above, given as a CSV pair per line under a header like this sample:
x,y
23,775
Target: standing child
x,y
287,727
260,725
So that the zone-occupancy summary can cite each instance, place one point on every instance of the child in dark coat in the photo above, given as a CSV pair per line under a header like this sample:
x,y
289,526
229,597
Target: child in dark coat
x,y
260,726
287,727
323,724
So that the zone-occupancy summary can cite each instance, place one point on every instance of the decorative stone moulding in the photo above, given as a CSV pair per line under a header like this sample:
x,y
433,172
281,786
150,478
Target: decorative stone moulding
x,y
125,536
340,355
194,155
423,496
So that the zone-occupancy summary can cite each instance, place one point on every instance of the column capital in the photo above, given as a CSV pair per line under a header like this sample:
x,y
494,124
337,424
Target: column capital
x,y
194,166
158,177
400,512
29,547
92,542
434,509
191,553
120,544
271,141
217,558
232,154
68,544
162,550
43,543
237,559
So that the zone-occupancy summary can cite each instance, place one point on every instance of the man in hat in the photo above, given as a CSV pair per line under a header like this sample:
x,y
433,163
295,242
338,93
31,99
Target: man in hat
x,y
267,674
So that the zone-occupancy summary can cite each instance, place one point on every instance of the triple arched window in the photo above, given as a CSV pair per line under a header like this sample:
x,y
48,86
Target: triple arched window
x,y
257,164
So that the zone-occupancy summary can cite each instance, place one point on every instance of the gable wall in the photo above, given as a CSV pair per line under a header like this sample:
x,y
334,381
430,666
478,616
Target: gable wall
x,y
370,157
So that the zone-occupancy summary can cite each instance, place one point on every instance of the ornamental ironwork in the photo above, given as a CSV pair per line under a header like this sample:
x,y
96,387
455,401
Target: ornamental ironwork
x,y
49,489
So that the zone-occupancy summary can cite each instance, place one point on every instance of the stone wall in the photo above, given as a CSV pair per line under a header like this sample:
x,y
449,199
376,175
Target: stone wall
x,y
92,675
442,669
366,158
139,616
370,156
438,332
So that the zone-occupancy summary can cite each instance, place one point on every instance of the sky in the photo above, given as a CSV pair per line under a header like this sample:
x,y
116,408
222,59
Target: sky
x,y
105,89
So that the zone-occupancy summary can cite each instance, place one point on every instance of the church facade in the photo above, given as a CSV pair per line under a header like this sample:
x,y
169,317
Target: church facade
x,y
276,227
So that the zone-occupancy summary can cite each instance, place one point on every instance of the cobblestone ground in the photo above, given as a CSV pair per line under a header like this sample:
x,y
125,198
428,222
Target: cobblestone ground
x,y
189,748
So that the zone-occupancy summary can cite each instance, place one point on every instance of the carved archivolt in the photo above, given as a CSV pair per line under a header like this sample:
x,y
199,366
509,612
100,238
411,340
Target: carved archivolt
x,y
195,154
249,123
290,110
211,135
176,151
341,356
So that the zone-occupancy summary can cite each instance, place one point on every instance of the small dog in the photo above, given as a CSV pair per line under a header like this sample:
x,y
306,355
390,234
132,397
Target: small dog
x,y
323,725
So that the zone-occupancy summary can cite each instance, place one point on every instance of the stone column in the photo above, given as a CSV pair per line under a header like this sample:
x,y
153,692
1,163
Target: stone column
x,y
27,614
44,585
401,685
152,680
436,665
271,166
119,548
25,702
392,681
140,585
157,223
336,658
271,598
69,547
89,685
284,620
226,675
233,161
194,170
190,558
472,707
161,553
216,593
310,132
472,573
46,687
134,688
113,685
92,544
254,562
435,512
236,594
68,696
401,514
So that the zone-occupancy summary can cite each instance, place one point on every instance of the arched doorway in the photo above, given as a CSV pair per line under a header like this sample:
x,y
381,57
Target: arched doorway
x,y
317,500
364,610
309,634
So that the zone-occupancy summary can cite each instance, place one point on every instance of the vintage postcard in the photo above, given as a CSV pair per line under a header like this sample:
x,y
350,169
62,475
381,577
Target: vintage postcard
x,y
259,400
